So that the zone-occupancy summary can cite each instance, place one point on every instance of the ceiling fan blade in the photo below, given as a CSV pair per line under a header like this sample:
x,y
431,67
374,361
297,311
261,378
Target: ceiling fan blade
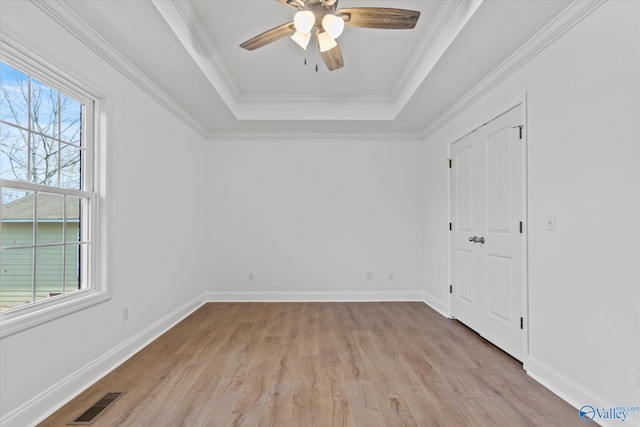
x,y
270,36
379,17
333,58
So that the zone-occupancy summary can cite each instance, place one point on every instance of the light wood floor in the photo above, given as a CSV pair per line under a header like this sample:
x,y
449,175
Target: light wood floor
x,y
321,364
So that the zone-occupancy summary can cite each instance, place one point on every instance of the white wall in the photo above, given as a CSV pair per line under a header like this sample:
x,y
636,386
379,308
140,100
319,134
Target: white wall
x,y
309,218
154,230
584,156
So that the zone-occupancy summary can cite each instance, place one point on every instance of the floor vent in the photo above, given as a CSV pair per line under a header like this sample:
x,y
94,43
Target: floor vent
x,y
90,415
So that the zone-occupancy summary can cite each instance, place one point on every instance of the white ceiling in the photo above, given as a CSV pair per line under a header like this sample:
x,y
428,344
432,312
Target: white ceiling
x,y
393,81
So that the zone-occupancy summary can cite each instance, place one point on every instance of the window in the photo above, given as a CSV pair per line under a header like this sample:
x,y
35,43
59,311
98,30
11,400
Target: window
x,y
48,206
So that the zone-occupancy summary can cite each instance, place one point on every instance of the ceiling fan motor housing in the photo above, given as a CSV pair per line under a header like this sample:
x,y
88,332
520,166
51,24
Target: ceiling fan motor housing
x,y
320,10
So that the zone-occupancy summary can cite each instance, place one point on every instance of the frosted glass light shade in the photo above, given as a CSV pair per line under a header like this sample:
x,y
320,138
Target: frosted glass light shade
x,y
333,25
301,39
325,41
304,20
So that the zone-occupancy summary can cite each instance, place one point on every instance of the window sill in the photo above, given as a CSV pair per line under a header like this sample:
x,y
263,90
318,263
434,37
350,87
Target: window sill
x,y
19,319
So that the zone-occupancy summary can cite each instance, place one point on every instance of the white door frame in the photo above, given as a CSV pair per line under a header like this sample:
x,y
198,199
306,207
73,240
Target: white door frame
x,y
521,102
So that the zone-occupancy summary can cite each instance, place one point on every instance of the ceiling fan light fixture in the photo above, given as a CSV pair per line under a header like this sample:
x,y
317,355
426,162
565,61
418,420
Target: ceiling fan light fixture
x,y
325,41
326,21
304,20
333,25
301,39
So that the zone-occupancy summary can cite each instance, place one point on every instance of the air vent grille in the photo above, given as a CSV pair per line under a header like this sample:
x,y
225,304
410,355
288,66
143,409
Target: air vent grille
x,y
98,408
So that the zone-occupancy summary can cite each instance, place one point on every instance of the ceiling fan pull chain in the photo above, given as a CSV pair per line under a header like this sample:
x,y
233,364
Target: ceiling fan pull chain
x,y
316,43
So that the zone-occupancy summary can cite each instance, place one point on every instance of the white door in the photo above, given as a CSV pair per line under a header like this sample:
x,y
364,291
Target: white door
x,y
487,231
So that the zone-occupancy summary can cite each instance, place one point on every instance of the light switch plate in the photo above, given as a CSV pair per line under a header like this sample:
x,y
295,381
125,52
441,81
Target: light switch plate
x,y
551,222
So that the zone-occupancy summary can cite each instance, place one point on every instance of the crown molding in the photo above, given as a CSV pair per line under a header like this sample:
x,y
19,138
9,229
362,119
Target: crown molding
x,y
311,100
193,39
72,23
448,22
567,19
197,28
314,136
29,53
435,28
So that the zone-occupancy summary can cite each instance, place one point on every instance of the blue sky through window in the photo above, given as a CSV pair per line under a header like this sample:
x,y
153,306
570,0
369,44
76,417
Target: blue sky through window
x,y
40,132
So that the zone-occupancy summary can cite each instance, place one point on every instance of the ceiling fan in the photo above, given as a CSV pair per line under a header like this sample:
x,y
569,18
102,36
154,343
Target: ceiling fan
x,y
328,21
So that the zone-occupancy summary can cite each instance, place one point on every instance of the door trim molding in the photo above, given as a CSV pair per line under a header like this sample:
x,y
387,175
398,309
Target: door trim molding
x,y
525,226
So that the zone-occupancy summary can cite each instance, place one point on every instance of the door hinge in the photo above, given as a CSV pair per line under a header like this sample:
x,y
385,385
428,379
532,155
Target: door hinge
x,y
520,227
519,130
450,289
449,163
450,226
522,323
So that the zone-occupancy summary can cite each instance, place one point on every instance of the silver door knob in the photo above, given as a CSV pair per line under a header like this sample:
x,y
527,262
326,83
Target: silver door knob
x,y
477,239
480,240
472,239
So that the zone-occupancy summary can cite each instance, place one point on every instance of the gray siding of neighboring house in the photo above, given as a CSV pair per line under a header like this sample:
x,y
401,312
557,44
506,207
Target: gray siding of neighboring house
x,y
16,265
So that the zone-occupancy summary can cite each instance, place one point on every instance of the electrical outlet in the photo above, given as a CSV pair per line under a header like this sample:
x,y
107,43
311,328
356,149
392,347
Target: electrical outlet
x,y
369,275
250,276
390,277
125,313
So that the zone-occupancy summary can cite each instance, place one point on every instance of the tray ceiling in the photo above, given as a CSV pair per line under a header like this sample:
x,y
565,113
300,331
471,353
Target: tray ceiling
x,y
393,81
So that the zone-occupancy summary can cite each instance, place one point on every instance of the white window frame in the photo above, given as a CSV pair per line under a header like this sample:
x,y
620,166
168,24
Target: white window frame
x,y
23,317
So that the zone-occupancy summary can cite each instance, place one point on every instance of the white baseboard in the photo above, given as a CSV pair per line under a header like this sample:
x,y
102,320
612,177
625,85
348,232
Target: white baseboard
x,y
52,399
575,394
438,305
321,296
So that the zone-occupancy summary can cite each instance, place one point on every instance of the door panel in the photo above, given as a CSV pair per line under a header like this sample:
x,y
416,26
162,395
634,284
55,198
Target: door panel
x,y
464,189
486,202
465,275
499,286
498,174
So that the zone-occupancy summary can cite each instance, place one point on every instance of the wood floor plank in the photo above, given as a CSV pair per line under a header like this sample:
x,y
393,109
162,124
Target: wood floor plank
x,y
321,364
